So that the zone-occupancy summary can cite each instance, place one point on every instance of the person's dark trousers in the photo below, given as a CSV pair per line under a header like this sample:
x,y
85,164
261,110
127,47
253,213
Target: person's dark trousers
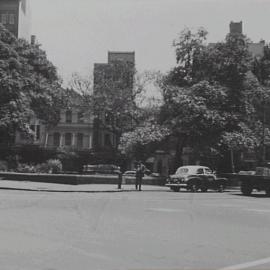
x,y
120,178
138,183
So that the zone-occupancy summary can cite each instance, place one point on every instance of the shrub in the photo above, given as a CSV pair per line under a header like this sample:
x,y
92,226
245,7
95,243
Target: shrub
x,y
54,165
26,168
42,168
3,166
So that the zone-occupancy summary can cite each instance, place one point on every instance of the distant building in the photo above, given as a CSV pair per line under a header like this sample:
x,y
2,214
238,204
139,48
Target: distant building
x,y
256,49
15,16
73,132
236,27
120,68
76,130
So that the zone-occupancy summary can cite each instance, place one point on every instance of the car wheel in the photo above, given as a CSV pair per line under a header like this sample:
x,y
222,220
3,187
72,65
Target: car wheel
x,y
204,189
246,189
194,188
221,188
267,191
175,189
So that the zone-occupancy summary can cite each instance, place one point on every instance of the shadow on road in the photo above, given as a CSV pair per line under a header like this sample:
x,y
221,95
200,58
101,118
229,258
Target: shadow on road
x,y
251,196
80,191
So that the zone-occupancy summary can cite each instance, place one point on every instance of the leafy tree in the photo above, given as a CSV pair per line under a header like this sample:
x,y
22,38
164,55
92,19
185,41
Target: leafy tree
x,y
212,97
135,142
118,98
261,67
29,85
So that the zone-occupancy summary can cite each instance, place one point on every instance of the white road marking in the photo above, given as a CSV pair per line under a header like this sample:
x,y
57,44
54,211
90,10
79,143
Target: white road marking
x,y
224,205
168,210
247,264
259,210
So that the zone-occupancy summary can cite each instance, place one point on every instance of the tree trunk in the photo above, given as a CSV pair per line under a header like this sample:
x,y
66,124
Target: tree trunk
x,y
181,139
232,161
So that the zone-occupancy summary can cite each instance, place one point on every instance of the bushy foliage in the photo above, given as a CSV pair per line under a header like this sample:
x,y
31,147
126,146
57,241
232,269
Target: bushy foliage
x,y
54,165
29,85
50,166
26,168
3,166
214,96
142,135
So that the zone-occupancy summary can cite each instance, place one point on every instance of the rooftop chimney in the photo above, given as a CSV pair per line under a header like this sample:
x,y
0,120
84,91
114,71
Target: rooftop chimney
x,y
33,39
236,27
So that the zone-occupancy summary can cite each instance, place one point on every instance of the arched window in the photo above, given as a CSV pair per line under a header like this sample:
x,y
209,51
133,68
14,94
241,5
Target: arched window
x,y
56,139
68,116
68,139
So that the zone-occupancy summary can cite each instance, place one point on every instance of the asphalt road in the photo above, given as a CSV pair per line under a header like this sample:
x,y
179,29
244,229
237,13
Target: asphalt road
x,y
148,230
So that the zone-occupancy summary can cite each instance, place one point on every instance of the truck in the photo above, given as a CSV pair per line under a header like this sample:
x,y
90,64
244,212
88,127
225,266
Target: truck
x,y
255,180
194,178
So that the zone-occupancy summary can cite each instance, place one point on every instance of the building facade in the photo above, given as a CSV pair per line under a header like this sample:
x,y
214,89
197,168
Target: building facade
x,y
117,73
77,129
15,16
74,132
255,48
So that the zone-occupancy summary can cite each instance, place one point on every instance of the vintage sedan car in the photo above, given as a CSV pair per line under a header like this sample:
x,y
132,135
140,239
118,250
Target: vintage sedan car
x,y
133,173
129,173
195,178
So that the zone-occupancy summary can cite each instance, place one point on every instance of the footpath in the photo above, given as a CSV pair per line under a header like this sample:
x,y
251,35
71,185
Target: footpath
x,y
87,188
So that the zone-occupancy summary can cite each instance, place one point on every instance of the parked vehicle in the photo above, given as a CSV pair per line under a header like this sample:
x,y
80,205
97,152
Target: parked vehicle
x,y
101,169
195,178
129,173
133,173
255,180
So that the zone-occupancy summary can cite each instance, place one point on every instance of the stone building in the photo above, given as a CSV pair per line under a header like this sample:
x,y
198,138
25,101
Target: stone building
x,y
74,132
255,48
119,72
15,16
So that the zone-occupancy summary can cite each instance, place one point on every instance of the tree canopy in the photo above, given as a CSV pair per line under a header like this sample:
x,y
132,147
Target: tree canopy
x,y
214,95
29,85
215,98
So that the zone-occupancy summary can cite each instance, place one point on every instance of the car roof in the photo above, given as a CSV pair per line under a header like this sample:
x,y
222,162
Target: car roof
x,y
191,169
194,167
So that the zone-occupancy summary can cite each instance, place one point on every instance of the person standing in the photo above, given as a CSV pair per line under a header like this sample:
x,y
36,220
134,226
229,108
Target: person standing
x,y
140,168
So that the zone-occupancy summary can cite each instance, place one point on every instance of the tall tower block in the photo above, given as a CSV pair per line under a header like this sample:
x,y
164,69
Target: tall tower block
x,y
15,16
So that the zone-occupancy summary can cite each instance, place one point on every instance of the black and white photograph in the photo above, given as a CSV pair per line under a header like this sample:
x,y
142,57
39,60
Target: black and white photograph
x,y
134,135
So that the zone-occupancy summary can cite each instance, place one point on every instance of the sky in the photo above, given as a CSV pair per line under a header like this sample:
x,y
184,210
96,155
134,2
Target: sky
x,y
76,34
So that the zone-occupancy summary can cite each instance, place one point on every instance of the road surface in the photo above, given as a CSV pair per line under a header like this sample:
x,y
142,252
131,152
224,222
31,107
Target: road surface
x,y
155,229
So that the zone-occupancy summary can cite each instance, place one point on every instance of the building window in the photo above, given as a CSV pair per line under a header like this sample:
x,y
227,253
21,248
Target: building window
x,y
108,118
56,139
11,19
23,136
38,132
68,139
80,140
80,117
4,18
68,116
107,140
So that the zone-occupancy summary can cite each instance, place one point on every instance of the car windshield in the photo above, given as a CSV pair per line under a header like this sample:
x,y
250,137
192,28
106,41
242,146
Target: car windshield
x,y
182,171
208,171
200,171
